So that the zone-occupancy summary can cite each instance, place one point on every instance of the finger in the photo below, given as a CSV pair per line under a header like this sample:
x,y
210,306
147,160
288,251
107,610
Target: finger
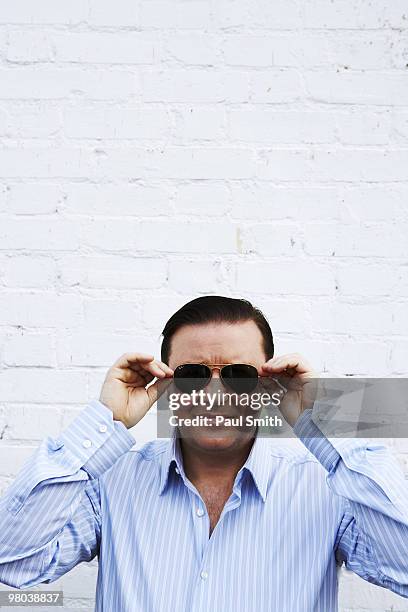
x,y
154,368
132,377
165,367
293,361
151,365
128,359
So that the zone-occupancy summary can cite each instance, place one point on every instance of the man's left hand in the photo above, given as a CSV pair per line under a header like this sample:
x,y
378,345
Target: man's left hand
x,y
294,373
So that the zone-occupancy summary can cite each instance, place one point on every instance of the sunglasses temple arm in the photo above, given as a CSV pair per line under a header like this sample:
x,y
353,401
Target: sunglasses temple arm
x,y
282,387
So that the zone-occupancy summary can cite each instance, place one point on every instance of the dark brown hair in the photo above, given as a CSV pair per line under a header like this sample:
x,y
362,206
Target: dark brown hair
x,y
216,309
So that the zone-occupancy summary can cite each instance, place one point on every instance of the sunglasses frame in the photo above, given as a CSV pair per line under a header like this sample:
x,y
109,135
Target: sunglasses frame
x,y
220,366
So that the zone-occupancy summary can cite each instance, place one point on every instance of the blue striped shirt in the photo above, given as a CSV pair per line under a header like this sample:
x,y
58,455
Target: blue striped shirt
x,y
298,510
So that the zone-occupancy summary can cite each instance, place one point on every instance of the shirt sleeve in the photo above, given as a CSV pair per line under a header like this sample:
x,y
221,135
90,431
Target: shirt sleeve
x,y
372,538
50,514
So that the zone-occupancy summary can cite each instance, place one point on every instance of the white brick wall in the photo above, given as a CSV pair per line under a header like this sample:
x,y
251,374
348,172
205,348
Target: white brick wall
x,y
151,151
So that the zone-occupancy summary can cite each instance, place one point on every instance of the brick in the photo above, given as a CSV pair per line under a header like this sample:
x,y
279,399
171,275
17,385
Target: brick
x,y
40,309
34,198
277,15
386,202
30,349
357,50
200,123
363,128
112,314
42,82
266,201
157,309
192,49
285,316
4,122
12,458
3,198
357,357
184,237
230,14
305,49
177,163
285,165
357,87
32,422
4,191
105,47
44,12
46,162
203,277
366,279
352,318
84,348
327,165
270,240
194,85
26,271
105,122
282,278
289,50
271,126
39,234
359,598
110,234
338,15
283,85
399,357
29,46
133,199
122,13
402,272
181,15
39,385
247,50
400,319
400,126
5,481
202,198
353,240
25,120
115,272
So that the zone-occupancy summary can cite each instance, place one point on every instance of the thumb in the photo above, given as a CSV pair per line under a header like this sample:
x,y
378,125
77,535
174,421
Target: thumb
x,y
155,390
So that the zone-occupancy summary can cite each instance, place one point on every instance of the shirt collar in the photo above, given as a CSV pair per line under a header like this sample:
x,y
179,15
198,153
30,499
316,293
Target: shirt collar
x,y
257,464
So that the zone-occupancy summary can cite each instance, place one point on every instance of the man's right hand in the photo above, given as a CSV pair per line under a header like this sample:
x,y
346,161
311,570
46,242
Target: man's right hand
x,y
124,389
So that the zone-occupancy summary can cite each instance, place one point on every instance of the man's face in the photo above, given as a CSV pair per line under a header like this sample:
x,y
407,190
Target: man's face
x,y
213,343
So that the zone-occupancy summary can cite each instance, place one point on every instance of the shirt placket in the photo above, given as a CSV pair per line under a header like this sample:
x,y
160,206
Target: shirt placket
x,y
201,521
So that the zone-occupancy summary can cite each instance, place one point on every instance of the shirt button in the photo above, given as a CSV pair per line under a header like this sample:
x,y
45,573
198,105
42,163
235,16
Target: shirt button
x,y
204,575
102,428
200,512
86,443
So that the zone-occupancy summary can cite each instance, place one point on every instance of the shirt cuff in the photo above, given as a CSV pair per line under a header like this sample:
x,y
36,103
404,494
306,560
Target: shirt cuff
x,y
327,451
94,441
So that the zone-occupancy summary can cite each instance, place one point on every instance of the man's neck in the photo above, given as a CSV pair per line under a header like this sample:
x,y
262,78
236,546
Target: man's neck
x,y
220,468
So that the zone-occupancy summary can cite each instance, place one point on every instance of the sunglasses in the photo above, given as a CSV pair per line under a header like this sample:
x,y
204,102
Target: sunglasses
x,y
240,377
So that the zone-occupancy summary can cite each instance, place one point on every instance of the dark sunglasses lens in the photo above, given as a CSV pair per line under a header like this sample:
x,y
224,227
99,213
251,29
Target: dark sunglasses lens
x,y
240,377
191,377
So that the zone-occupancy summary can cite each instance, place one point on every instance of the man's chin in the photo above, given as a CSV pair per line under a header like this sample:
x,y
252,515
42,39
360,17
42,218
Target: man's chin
x,y
211,440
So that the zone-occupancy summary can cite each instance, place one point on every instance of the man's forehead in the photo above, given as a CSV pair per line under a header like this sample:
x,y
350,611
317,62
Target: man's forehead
x,y
218,342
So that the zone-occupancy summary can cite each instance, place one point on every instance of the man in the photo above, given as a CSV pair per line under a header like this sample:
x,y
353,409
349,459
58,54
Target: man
x,y
221,522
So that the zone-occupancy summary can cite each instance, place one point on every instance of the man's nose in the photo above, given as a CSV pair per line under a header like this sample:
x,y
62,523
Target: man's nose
x,y
214,383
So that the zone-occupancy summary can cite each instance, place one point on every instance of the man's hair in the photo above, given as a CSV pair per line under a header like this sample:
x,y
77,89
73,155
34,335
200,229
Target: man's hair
x,y
216,309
